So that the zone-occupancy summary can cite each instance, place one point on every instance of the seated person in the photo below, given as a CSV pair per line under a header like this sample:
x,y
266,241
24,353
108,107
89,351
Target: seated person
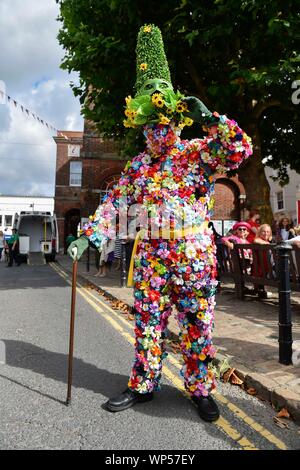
x,y
265,266
240,233
295,240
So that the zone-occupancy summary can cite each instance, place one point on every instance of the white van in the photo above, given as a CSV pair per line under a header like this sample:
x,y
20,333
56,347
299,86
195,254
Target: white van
x,y
37,233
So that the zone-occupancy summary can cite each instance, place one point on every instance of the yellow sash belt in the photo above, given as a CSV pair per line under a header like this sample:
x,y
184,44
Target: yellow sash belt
x,y
167,234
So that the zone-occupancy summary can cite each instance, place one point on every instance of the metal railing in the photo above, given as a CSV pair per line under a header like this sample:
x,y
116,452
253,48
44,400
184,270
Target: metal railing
x,y
265,265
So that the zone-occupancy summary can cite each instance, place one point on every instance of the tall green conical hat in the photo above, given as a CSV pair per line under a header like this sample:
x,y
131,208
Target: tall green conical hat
x,y
151,60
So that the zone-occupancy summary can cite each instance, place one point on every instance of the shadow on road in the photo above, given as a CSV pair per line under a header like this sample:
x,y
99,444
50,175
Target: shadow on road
x,y
53,365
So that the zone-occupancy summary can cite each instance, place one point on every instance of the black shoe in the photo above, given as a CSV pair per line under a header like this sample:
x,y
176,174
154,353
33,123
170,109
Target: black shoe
x,y
248,291
207,408
127,399
263,294
9,266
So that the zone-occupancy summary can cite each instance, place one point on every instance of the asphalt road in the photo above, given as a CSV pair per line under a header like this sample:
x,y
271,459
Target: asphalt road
x,y
34,332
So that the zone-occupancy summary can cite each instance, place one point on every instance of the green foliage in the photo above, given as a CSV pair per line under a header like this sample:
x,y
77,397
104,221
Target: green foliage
x,y
150,52
240,57
160,108
280,130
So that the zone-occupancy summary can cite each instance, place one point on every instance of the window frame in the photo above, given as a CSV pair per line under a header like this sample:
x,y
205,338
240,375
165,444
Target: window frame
x,y
279,201
6,224
75,173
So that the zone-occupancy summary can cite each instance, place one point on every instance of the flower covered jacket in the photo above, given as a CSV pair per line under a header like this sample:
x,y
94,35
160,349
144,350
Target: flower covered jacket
x,y
174,173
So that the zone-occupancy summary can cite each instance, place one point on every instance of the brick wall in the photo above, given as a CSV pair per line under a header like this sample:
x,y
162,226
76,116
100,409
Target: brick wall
x,y
100,165
226,201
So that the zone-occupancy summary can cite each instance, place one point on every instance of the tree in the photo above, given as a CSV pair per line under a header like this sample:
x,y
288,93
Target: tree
x,y
239,57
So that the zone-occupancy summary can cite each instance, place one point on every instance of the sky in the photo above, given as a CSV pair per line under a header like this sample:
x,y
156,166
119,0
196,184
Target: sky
x,y
30,73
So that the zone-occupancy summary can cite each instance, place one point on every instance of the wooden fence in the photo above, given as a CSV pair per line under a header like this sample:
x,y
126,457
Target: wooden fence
x,y
265,265
262,268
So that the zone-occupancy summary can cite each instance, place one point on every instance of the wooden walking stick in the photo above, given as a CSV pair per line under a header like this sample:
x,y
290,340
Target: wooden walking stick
x,y
72,325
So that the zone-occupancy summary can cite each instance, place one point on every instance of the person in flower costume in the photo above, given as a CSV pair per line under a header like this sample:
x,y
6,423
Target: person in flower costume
x,y
174,257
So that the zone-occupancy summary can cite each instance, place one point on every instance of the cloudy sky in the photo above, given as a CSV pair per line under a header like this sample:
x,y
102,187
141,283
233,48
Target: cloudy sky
x,y
30,57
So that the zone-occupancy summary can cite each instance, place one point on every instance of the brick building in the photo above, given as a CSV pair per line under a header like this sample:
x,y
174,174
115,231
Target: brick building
x,y
87,166
230,199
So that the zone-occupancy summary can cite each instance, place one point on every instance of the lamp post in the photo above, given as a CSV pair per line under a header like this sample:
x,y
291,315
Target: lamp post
x,y
285,315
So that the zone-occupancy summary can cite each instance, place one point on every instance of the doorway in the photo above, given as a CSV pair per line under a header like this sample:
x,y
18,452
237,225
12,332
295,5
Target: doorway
x,y
72,219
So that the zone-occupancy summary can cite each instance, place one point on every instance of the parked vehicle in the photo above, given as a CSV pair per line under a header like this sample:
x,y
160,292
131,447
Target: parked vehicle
x,y
37,234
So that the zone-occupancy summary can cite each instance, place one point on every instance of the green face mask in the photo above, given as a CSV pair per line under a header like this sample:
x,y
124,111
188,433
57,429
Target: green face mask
x,y
155,85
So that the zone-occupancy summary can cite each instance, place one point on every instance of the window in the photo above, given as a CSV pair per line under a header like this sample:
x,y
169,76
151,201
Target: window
x,y
280,202
75,173
8,221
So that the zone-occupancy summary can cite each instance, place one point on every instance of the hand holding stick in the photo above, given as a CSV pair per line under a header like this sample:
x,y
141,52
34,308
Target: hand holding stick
x,y
72,325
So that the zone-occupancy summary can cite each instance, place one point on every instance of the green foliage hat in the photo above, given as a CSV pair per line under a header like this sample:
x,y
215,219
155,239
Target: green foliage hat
x,y
155,101
151,60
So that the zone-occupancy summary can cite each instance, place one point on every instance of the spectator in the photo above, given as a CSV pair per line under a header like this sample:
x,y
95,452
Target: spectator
x,y
284,230
263,237
215,233
118,250
218,242
13,249
2,244
7,235
106,258
253,221
240,233
295,240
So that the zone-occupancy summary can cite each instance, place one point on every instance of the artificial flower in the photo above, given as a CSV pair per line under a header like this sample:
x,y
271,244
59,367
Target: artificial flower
x,y
143,66
163,119
181,107
188,121
157,100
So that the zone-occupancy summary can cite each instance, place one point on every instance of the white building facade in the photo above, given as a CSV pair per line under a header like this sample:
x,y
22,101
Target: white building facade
x,y
11,205
285,201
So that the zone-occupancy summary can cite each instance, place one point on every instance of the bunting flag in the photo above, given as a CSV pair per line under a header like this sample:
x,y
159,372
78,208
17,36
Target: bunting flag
x,y
29,113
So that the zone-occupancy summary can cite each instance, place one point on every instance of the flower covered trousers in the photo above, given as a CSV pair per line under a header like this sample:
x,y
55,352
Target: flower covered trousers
x,y
177,275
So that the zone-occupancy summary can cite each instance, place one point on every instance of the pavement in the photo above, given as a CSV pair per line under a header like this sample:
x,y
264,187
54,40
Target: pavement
x,y
245,335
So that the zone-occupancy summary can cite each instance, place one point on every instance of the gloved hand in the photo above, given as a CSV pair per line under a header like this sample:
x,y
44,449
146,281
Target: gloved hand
x,y
77,247
196,110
